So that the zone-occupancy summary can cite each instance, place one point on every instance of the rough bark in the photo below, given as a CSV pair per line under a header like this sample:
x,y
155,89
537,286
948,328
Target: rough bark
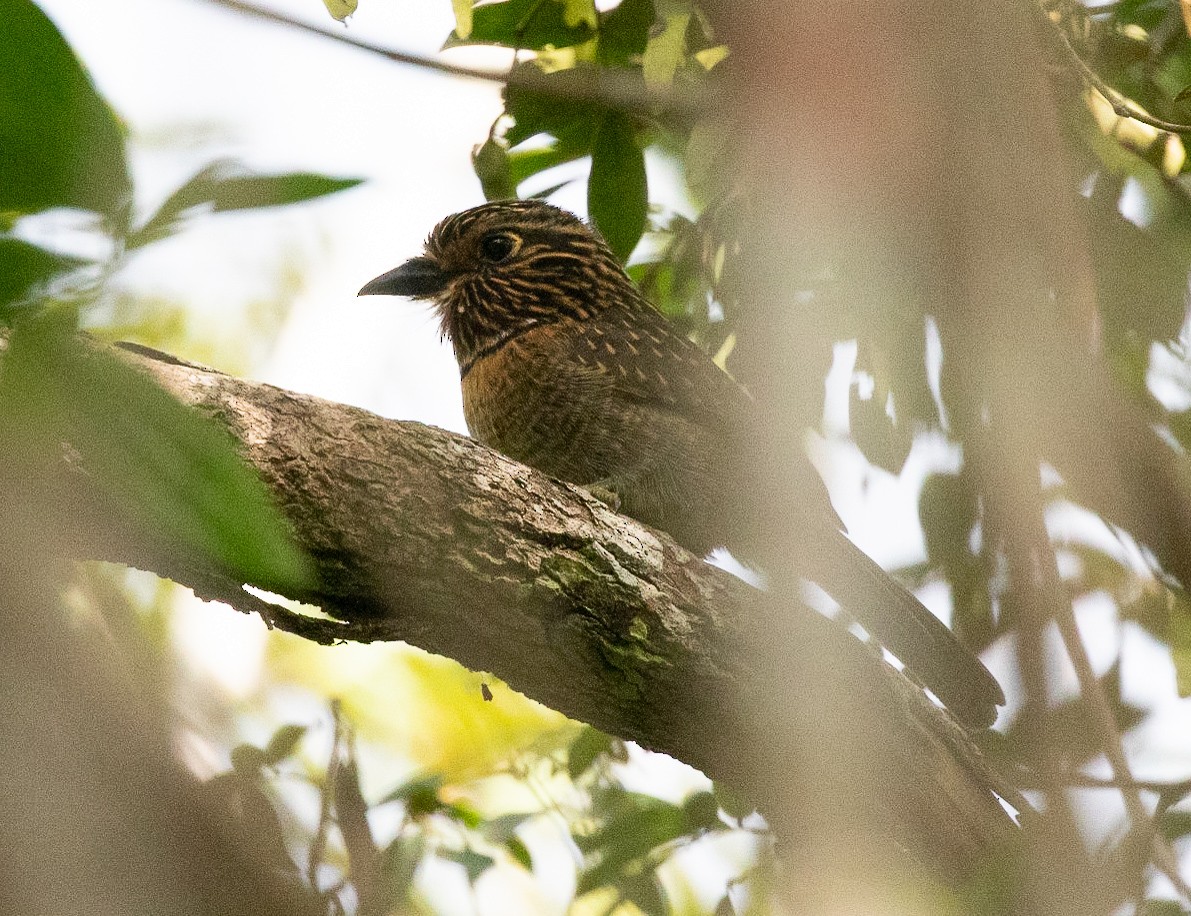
x,y
425,536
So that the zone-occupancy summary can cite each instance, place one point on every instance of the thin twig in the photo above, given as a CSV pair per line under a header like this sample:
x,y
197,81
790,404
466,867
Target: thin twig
x,y
620,88
1122,106
1110,740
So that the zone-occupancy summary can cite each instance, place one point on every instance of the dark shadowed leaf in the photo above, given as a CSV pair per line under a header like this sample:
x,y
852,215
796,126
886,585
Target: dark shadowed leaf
x,y
584,750
529,24
24,268
283,743
617,192
60,143
624,32
490,161
520,853
173,473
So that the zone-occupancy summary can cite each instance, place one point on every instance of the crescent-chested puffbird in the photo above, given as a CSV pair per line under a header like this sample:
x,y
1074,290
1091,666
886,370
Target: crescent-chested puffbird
x,y
567,367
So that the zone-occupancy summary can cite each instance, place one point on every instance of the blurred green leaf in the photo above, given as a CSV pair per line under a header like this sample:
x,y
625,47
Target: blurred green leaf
x,y
24,268
398,864
60,143
529,24
247,759
702,812
631,827
1162,908
1174,825
174,473
884,440
520,853
474,863
283,743
1179,634
666,50
223,186
617,191
585,749
419,794
572,121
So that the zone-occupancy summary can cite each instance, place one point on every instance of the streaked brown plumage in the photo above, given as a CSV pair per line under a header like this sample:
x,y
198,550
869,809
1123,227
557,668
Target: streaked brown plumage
x,y
568,368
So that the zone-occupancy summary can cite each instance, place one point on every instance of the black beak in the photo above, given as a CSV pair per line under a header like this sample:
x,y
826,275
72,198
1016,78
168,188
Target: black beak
x,y
420,278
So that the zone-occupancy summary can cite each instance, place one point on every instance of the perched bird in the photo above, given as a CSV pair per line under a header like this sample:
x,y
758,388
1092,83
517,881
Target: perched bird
x,y
566,367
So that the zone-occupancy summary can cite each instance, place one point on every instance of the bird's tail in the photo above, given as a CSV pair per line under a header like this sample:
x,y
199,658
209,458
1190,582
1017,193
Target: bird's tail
x,y
903,625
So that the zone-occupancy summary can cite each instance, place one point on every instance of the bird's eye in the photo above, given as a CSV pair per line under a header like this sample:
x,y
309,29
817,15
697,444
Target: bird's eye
x,y
497,246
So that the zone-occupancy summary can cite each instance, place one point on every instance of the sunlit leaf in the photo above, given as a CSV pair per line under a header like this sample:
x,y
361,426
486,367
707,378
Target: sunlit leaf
x,y
462,10
617,191
340,9
60,143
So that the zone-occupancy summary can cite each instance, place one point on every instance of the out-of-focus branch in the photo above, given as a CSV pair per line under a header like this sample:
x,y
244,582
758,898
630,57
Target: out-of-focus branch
x,y
619,88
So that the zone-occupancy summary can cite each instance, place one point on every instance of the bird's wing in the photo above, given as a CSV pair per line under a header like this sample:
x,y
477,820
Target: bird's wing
x,y
645,360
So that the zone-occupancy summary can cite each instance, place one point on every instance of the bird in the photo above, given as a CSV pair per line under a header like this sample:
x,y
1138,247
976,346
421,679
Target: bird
x,y
567,367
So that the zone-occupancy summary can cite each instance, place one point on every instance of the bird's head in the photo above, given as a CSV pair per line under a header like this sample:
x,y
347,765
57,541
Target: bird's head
x,y
499,269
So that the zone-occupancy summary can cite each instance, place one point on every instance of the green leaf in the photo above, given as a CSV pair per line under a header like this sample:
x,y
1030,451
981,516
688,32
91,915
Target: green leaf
x,y
534,112
1179,633
624,32
491,163
60,143
398,864
247,759
1161,908
171,473
419,794
24,268
283,743
1174,825
584,750
474,863
340,9
520,853
223,186
462,9
632,826
617,191
666,51
529,24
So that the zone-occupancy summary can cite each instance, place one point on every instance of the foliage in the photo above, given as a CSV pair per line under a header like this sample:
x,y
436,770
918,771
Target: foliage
x,y
63,148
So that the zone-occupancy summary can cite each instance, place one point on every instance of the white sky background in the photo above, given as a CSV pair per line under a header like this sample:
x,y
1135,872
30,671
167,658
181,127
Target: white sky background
x,y
196,82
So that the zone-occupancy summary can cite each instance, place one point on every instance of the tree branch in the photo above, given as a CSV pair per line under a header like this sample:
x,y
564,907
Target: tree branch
x,y
421,535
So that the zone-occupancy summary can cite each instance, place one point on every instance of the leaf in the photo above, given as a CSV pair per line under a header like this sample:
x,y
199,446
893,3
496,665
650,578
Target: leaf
x,y
584,750
24,268
632,826
398,864
172,472
340,9
420,795
60,143
490,161
520,853
624,32
474,863
283,743
247,759
534,112
617,190
1179,633
462,9
1174,825
223,186
529,24
666,51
